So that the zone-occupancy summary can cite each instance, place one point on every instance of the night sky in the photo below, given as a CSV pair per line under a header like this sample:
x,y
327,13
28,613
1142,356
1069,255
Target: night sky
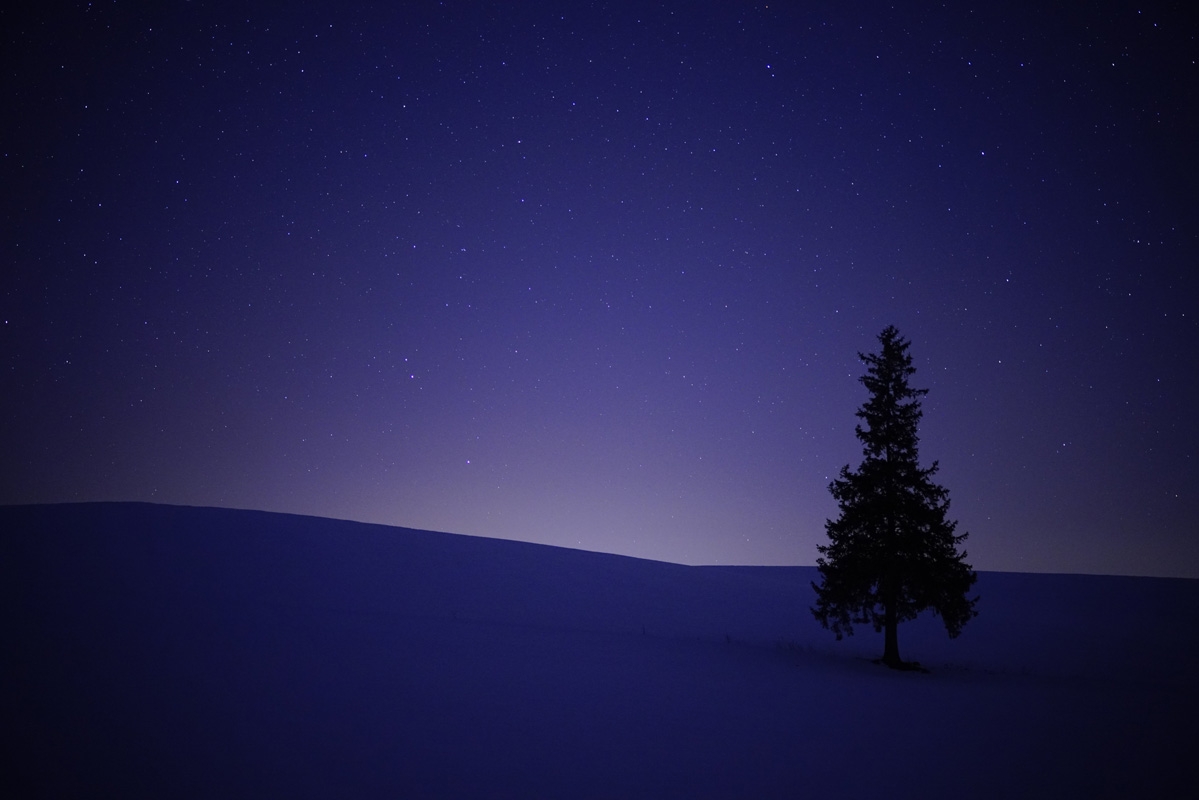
x,y
597,274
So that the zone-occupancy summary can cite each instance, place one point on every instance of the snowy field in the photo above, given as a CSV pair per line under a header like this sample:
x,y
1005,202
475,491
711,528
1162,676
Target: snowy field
x,y
157,651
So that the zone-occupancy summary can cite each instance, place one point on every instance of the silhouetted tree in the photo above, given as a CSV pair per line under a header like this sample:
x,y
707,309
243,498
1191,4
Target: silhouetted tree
x,y
892,553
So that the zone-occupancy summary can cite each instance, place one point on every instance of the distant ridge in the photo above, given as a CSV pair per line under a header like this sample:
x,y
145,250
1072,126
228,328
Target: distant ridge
x,y
313,560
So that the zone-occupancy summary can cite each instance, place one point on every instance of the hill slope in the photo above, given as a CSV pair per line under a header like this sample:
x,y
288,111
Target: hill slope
x,y
168,651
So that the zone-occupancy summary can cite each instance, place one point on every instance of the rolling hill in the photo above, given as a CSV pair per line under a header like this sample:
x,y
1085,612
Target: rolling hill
x,y
156,651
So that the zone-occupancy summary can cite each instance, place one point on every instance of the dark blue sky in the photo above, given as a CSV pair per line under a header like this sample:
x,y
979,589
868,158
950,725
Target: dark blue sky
x,y
596,275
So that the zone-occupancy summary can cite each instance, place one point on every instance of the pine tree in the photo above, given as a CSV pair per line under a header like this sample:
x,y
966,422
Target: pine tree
x,y
892,553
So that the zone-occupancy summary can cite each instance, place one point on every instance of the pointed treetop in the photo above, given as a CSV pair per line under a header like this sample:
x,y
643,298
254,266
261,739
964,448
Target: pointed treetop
x,y
893,410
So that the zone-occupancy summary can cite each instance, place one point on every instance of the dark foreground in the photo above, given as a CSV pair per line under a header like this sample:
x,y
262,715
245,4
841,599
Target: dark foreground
x,y
157,651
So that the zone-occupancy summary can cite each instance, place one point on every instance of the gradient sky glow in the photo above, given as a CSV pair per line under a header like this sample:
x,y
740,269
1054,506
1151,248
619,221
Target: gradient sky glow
x,y
596,274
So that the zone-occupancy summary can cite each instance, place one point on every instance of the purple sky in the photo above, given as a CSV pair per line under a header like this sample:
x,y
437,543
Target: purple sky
x,y
596,275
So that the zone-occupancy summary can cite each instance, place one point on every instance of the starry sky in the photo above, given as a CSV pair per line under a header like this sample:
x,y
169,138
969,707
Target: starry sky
x,y
597,274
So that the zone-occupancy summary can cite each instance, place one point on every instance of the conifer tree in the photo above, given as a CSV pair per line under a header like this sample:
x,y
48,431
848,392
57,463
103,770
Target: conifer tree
x,y
892,552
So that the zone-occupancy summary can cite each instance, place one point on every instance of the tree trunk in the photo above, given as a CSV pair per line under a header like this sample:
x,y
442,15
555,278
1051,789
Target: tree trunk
x,y
891,636
890,581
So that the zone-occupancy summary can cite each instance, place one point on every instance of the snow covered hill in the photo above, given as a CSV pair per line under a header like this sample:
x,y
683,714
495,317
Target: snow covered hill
x,y
160,651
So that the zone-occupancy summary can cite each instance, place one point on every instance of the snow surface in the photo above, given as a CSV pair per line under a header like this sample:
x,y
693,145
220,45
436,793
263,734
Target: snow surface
x,y
159,651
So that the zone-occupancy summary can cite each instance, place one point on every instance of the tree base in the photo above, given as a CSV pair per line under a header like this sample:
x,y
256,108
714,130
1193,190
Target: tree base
x,y
902,666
